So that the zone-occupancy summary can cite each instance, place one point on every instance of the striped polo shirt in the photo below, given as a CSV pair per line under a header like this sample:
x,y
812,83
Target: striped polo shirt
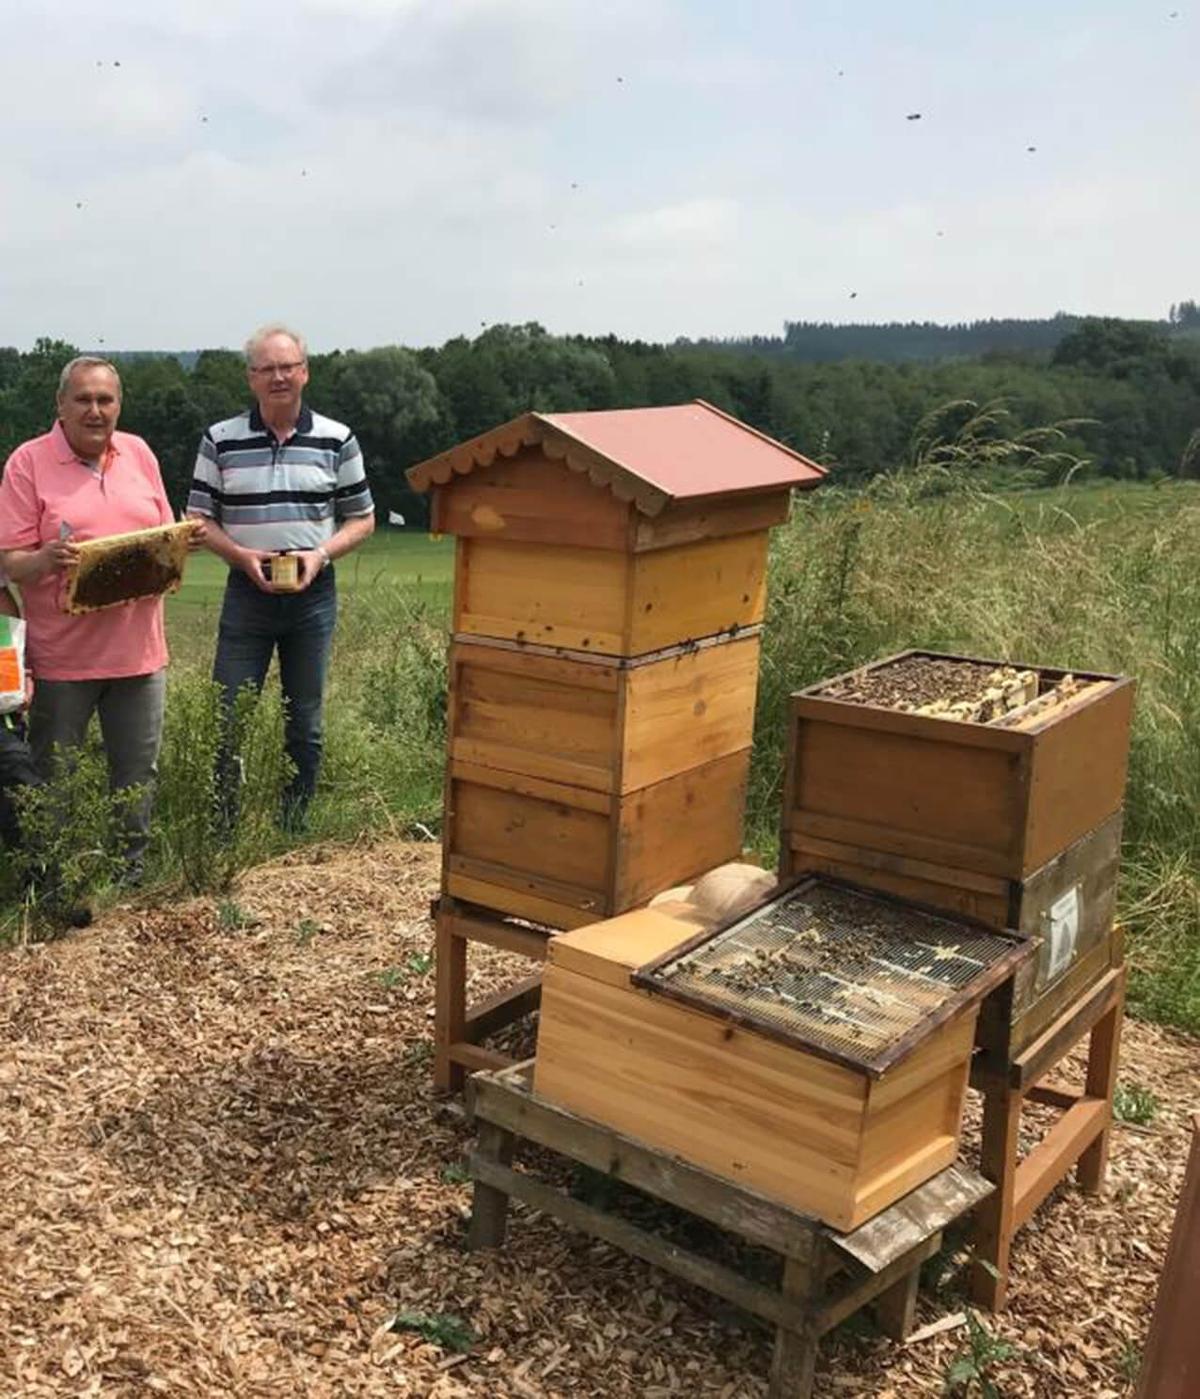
x,y
274,496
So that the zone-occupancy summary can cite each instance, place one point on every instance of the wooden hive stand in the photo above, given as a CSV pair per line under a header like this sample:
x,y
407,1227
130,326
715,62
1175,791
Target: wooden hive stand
x,y
1020,826
1008,1078
825,1276
459,1028
609,591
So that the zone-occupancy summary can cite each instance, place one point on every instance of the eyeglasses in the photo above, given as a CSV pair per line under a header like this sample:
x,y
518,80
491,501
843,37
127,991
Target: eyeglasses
x,y
270,370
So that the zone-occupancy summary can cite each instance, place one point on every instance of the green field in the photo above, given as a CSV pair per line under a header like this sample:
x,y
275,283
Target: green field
x,y
424,567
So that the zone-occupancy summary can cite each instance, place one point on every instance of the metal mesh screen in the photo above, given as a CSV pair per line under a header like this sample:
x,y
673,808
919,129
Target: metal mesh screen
x,y
838,969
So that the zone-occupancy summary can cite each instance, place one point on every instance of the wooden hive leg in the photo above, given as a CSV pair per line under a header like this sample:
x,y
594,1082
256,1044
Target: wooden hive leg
x,y
1104,1048
896,1306
450,1002
794,1359
994,1221
489,1208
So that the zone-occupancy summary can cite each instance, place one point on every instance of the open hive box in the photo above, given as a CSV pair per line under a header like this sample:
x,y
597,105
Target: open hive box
x,y
124,567
815,1049
976,786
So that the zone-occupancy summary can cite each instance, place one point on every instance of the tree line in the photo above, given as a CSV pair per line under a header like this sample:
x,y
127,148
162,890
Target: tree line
x,y
1129,392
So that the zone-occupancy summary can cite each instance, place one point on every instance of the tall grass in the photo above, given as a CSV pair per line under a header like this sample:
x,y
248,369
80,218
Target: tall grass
x,y
1093,579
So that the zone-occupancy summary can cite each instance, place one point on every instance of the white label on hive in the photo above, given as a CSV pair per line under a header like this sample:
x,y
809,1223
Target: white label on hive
x,y
1064,930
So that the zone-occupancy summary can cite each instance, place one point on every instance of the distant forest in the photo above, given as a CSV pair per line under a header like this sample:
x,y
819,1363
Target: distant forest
x,y
1127,391
895,341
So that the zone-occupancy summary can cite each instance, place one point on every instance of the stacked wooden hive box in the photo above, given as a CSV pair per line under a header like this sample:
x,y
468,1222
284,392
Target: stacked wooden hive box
x,y
610,583
1013,818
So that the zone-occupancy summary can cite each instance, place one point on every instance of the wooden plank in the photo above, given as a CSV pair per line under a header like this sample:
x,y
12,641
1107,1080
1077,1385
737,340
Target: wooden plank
x,y
896,1306
554,595
806,706
496,932
583,671
920,872
1104,1049
1051,1095
609,950
679,828
1171,1368
1049,1047
1066,991
474,1057
530,499
506,1100
1086,870
1077,773
733,1102
556,849
517,903
686,522
558,792
942,802
794,1355
536,716
484,1017
694,590
855,1292
893,1232
1055,1154
450,1002
689,710
994,1224
489,1207
581,897
700,1272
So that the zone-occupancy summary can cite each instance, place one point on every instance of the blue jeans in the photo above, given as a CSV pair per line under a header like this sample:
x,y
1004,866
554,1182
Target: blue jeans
x,y
253,625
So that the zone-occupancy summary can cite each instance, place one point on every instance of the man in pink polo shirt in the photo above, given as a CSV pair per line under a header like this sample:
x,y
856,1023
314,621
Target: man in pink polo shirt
x,y
83,480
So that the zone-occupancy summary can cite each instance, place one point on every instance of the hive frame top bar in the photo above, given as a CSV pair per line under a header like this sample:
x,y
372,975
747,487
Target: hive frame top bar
x,y
1052,673
876,1064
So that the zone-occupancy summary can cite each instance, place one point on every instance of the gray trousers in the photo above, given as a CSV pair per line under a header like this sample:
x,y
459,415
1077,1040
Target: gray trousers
x,y
131,723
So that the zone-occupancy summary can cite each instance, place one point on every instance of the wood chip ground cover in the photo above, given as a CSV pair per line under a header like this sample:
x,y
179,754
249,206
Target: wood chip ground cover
x,y
224,1170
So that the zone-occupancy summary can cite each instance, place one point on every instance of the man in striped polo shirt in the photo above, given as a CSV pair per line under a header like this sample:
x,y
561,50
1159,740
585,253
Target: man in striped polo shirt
x,y
281,479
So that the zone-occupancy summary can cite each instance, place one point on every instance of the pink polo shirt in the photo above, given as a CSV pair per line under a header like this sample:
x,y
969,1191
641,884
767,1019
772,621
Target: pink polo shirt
x,y
45,484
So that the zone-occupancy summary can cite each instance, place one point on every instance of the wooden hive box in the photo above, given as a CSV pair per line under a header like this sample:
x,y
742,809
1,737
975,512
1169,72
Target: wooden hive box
x,y
603,724
959,795
824,1138
615,533
566,856
1018,827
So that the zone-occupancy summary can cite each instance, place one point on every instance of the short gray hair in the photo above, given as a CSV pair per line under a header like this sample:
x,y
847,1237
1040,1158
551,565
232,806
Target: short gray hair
x,y
264,332
86,362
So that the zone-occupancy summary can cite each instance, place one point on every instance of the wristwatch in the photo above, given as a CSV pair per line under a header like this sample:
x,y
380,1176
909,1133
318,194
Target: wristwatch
x,y
325,559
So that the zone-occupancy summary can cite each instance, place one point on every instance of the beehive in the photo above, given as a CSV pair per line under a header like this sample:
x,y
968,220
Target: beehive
x,y
816,1125
1015,821
609,590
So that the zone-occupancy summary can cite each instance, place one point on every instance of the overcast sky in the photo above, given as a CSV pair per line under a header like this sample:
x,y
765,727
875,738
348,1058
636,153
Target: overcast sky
x,y
401,171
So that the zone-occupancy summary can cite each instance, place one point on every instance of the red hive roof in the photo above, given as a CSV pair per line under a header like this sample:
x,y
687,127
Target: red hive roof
x,y
651,456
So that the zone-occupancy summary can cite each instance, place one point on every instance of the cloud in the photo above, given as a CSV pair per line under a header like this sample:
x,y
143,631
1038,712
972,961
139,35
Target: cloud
x,y
706,221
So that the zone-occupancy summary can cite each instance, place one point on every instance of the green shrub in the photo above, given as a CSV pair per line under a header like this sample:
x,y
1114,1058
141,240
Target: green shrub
x,y
213,820
73,832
